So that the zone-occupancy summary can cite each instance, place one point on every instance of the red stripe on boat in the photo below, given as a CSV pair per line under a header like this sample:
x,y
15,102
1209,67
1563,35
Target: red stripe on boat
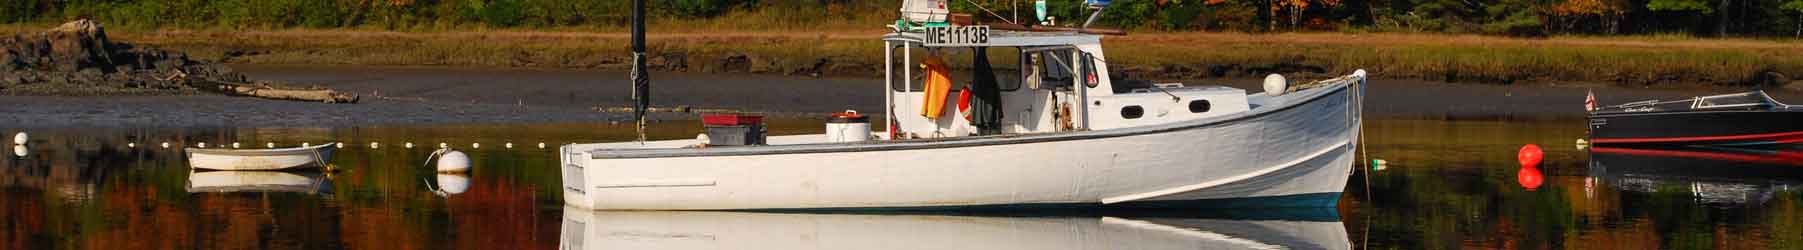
x,y
1783,137
1793,158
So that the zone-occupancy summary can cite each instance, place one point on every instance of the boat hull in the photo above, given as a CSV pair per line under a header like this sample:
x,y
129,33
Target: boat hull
x,y
1726,127
1296,151
266,159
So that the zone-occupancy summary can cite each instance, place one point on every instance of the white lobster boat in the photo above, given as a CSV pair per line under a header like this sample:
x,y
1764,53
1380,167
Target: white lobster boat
x,y
1068,135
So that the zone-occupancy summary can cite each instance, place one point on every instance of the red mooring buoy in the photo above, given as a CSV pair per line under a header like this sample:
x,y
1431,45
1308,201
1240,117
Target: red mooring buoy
x,y
1529,156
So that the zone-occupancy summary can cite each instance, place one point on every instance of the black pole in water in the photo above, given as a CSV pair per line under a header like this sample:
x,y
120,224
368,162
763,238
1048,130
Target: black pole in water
x,y
641,80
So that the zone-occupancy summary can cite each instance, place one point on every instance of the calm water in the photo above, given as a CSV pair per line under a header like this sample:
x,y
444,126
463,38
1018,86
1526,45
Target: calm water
x,y
1447,184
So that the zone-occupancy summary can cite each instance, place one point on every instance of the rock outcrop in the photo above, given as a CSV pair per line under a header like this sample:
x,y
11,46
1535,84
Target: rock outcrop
x,y
78,58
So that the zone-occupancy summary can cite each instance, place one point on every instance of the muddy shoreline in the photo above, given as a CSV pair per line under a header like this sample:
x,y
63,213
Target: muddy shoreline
x,y
448,95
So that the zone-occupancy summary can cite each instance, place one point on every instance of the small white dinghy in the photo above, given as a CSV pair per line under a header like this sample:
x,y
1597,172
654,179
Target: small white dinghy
x,y
260,159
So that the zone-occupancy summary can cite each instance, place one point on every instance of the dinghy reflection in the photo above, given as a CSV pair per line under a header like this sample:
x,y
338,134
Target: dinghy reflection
x,y
258,181
1712,176
585,229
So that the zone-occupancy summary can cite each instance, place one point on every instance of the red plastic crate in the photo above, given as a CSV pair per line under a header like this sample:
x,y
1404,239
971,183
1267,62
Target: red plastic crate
x,y
731,119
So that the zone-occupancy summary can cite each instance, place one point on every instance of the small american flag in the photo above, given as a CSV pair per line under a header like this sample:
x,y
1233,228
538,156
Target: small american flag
x,y
1589,101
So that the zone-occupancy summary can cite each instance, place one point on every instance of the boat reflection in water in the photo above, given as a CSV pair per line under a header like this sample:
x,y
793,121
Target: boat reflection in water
x,y
591,229
258,181
1713,176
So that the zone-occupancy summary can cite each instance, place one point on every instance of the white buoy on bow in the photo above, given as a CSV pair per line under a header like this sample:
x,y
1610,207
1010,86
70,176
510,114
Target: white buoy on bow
x,y
409,145
202,145
21,138
235,145
541,145
373,145
21,151
1275,84
269,145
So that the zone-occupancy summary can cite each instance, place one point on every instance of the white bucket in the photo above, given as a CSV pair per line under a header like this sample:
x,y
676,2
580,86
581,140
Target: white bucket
x,y
847,127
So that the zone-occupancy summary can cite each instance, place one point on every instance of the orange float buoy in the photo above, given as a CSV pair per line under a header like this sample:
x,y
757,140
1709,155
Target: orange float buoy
x,y
1529,156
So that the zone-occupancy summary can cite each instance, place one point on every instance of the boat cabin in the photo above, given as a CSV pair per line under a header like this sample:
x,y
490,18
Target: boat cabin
x,y
1043,82
1745,101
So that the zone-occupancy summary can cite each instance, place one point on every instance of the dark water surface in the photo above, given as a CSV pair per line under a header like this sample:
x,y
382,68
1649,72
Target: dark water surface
x,y
1451,181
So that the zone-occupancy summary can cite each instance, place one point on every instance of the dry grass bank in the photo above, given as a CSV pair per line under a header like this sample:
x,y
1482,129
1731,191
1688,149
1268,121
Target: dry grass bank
x,y
1651,60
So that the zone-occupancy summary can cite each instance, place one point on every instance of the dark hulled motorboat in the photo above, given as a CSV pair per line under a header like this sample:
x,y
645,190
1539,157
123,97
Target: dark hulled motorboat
x,y
1740,119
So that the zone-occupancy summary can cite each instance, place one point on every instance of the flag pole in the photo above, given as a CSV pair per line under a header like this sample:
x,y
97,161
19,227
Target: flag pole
x,y
641,80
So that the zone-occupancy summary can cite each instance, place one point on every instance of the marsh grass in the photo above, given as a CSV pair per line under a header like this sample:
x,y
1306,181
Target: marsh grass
x,y
1657,59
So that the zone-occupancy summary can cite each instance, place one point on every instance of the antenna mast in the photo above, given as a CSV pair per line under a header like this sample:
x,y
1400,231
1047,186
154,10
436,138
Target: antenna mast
x,y
641,80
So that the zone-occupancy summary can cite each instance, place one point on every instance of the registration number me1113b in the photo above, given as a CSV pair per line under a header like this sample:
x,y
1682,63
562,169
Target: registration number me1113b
x,y
958,36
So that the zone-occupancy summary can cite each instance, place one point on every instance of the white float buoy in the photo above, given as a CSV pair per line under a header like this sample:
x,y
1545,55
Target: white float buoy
x,y
444,145
270,145
452,161
409,145
235,145
306,144
475,145
165,144
508,145
21,151
21,138
373,145
449,184
202,145
1275,84
541,145
131,145
338,144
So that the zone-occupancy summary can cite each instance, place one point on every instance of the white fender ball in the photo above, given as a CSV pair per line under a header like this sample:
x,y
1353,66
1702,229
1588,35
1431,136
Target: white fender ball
x,y
21,138
1275,84
20,150
453,183
453,161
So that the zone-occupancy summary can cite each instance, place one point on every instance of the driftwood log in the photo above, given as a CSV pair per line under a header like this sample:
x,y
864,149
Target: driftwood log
x,y
268,90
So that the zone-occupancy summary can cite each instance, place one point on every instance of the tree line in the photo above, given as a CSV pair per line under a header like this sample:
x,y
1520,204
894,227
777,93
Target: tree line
x,y
1499,17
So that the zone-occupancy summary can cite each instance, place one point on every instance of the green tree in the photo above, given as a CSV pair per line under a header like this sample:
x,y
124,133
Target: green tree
x,y
1795,6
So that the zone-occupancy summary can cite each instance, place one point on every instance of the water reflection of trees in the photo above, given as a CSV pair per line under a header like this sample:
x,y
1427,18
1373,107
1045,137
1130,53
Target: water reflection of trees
x,y
86,190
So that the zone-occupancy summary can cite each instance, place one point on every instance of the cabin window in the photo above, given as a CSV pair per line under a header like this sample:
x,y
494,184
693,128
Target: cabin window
x,y
1133,112
1054,68
962,65
906,62
1199,106
1089,71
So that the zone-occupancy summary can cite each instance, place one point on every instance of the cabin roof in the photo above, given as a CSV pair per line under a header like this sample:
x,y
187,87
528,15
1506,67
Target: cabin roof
x,y
1010,38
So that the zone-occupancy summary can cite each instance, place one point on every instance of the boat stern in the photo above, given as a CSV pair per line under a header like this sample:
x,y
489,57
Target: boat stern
x,y
571,162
